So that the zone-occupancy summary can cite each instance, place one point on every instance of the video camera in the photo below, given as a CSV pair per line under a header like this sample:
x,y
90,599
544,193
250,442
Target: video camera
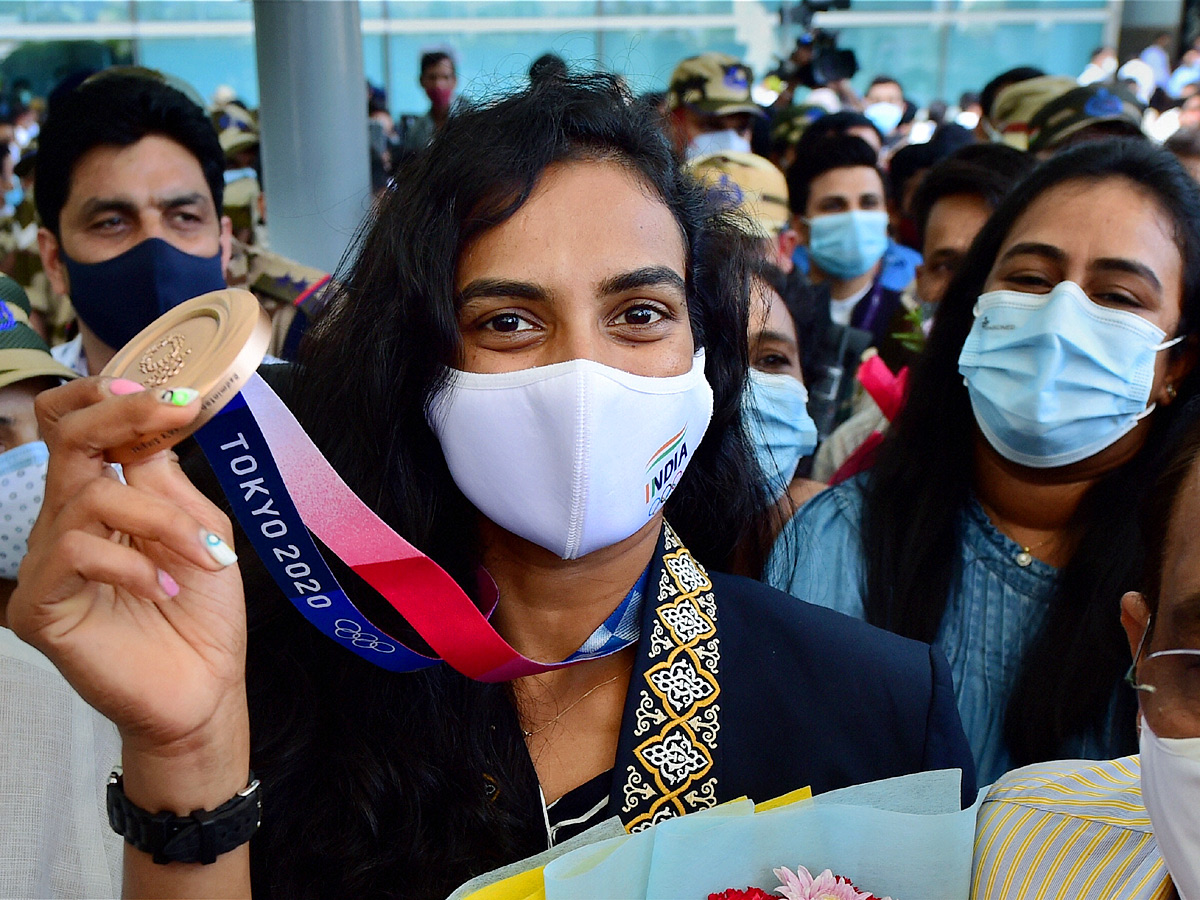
x,y
817,59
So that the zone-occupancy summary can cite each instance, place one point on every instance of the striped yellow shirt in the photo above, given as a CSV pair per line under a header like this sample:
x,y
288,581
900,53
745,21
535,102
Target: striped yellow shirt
x,y
1068,830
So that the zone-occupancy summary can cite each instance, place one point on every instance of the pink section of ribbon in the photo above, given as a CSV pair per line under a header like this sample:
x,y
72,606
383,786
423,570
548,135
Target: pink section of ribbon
x,y
417,587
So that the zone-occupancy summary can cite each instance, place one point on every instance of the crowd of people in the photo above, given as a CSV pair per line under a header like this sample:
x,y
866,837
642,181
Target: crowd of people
x,y
805,445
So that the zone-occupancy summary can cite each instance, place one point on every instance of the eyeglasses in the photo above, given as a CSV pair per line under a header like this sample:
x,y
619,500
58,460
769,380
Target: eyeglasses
x,y
1169,683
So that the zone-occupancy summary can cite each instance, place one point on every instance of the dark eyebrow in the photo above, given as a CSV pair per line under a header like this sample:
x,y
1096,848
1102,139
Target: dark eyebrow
x,y
778,336
1117,264
1133,267
523,290
501,287
1185,613
1049,251
108,204
1189,606
126,206
647,276
192,199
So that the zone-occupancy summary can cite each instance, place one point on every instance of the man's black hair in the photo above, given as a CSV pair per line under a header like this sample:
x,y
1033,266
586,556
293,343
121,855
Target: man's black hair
x,y
884,79
949,137
907,162
992,89
987,171
835,123
548,65
1184,144
837,151
118,109
433,57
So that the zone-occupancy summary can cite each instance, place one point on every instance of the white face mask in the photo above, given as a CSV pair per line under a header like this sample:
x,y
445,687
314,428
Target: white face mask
x,y
1171,792
717,142
575,456
22,486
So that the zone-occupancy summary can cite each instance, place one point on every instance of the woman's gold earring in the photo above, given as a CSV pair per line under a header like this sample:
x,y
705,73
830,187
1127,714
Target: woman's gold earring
x,y
1171,392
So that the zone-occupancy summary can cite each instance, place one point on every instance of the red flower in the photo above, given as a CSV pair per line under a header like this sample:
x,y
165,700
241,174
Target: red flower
x,y
750,893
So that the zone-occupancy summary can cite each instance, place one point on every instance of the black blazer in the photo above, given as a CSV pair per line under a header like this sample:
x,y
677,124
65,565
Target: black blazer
x,y
741,690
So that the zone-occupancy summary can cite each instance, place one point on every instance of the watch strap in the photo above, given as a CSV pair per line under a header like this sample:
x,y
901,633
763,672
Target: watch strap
x,y
197,838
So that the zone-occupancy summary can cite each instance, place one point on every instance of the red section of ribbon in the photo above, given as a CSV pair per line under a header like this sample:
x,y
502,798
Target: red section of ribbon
x,y
433,603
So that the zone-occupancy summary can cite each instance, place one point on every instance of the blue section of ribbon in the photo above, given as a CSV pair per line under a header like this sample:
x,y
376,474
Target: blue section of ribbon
x,y
242,461
622,627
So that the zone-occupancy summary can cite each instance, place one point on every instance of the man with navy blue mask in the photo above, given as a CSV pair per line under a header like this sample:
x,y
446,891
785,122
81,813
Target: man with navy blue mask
x,y
129,186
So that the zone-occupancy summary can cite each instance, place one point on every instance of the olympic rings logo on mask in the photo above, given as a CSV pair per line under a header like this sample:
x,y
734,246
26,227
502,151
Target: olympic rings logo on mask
x,y
349,630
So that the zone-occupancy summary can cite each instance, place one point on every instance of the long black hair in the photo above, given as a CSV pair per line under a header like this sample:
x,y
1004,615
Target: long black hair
x,y
406,785
923,480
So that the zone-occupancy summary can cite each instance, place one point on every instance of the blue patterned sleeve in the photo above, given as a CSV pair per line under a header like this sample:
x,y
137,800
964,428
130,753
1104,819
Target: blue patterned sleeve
x,y
818,555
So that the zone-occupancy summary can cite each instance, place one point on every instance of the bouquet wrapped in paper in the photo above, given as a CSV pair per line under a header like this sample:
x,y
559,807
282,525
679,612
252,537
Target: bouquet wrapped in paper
x,y
903,838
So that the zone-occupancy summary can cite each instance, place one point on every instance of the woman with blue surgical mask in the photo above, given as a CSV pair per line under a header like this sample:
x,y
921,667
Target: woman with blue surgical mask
x,y
775,407
776,401
1000,520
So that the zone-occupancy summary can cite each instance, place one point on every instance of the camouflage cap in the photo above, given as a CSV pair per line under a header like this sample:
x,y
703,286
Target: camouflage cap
x,y
23,353
749,183
1080,108
715,84
791,123
233,139
241,201
1017,104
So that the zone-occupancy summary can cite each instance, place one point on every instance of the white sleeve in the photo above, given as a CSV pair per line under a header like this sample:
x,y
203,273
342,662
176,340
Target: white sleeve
x,y
55,756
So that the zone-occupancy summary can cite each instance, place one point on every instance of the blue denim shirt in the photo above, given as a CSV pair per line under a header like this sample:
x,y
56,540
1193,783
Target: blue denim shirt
x,y
995,609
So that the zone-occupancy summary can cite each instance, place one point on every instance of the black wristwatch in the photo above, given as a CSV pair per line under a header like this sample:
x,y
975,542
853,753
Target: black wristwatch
x,y
198,838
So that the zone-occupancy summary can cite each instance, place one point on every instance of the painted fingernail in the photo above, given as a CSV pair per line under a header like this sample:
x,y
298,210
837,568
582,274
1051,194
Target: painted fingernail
x,y
168,584
122,386
217,548
178,396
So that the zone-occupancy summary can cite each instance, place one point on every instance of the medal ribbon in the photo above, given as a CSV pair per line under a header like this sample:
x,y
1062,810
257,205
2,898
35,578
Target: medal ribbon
x,y
281,487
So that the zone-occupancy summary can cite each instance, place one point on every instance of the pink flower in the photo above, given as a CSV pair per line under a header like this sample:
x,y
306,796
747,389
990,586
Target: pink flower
x,y
800,885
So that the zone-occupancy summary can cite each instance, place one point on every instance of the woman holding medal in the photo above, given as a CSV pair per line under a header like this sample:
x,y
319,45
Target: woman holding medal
x,y
539,351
